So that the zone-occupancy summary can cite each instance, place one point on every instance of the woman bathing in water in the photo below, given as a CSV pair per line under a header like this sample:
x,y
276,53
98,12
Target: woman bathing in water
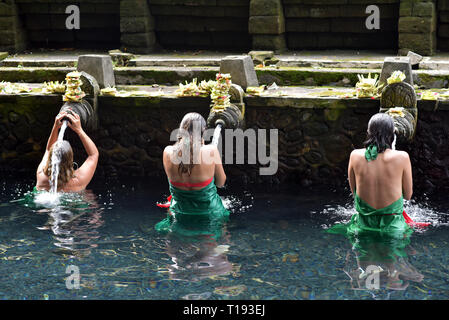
x,y
194,170
380,179
69,180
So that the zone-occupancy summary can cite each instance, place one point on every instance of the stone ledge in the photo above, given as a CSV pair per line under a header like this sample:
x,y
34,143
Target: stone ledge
x,y
164,75
296,97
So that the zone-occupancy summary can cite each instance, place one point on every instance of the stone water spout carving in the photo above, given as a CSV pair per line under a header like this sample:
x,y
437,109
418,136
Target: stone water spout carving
x,y
231,117
86,107
398,100
227,108
94,71
78,85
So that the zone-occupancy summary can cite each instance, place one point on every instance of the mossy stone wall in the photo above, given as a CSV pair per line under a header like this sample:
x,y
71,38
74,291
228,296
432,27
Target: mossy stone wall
x,y
316,137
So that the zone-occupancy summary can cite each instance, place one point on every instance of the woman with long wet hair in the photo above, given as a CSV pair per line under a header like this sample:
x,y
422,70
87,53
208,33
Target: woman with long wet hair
x,y
69,179
194,171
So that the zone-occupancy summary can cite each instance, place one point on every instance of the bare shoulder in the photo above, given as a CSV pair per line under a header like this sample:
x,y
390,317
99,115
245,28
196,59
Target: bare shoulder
x,y
399,155
168,150
357,154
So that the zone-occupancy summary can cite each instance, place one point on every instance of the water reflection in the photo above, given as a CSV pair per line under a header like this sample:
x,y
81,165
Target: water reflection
x,y
74,222
379,261
198,257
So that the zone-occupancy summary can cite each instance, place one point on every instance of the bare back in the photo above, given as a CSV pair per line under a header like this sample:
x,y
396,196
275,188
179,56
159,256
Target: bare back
x,y
210,166
382,181
78,182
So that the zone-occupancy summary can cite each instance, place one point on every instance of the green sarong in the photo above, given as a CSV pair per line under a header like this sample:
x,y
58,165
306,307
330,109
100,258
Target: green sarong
x,y
378,234
195,213
385,220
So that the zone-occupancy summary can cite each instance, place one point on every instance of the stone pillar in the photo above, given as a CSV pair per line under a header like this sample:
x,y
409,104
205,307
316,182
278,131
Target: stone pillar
x,y
12,34
267,25
443,25
136,27
417,27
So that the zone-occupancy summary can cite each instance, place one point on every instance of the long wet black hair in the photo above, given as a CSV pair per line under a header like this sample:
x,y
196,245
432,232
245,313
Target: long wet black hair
x,y
191,121
380,132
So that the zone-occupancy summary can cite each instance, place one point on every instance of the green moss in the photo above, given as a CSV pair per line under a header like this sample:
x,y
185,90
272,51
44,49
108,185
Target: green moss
x,y
150,75
33,75
297,76
147,101
332,93
335,110
426,79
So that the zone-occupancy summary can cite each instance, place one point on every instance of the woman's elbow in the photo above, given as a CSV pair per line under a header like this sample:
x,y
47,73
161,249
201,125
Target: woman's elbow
x,y
408,195
221,182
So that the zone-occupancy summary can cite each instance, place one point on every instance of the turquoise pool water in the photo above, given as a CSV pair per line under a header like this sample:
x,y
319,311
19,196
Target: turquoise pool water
x,y
273,247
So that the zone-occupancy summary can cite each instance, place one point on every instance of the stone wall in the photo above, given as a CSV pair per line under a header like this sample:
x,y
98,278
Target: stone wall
x,y
136,27
267,25
321,24
12,33
143,26
202,24
316,137
443,25
417,27
45,22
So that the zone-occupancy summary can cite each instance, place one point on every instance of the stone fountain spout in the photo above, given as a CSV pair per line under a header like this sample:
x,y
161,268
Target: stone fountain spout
x,y
86,112
233,116
96,72
398,100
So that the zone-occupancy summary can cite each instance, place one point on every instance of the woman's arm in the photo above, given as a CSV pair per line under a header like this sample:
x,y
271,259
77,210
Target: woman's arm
x,y
220,176
85,173
52,139
407,179
351,174
166,159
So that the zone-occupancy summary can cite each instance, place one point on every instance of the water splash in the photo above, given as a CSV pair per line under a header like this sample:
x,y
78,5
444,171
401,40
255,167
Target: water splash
x,y
423,212
51,199
56,159
217,132
420,212
47,199
238,204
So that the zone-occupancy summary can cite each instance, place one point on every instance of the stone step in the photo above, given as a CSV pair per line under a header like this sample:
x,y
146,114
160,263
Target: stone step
x,y
284,76
167,61
45,59
301,59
